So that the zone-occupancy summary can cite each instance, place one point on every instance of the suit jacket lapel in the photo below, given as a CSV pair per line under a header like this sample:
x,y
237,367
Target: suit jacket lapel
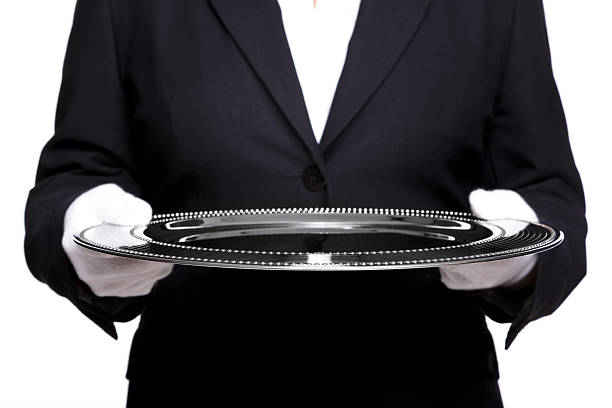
x,y
382,31
257,28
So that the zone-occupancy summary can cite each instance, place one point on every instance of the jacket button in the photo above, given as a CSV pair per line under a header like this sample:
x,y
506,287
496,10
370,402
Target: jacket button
x,y
313,179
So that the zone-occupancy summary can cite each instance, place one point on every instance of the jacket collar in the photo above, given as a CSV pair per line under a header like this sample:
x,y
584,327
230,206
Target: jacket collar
x,y
382,31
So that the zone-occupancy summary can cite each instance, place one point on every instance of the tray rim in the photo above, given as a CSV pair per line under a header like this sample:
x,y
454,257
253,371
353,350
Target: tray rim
x,y
556,238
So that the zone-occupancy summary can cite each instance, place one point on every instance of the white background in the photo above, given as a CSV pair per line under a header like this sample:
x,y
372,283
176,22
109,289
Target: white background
x,y
52,356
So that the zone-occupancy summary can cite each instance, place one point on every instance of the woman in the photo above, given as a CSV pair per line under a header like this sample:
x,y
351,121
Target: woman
x,y
225,104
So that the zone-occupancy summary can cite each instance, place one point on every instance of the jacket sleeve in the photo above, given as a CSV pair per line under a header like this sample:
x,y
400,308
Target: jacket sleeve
x,y
91,146
528,150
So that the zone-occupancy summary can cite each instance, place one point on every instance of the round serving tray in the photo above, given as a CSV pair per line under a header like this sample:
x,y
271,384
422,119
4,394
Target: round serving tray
x,y
321,238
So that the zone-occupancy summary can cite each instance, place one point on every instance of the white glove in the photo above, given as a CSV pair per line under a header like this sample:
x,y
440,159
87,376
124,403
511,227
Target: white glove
x,y
109,275
489,205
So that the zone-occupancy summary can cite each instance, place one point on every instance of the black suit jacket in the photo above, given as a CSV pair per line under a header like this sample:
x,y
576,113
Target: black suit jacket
x,y
195,104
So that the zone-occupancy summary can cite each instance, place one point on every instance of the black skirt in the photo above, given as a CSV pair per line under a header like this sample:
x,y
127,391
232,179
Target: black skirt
x,y
317,339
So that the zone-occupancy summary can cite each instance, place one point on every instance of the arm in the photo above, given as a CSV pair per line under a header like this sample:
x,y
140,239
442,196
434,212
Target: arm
x,y
528,151
91,146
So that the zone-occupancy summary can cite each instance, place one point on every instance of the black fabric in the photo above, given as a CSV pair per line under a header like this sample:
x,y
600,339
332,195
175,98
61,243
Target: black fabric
x,y
279,339
196,105
479,393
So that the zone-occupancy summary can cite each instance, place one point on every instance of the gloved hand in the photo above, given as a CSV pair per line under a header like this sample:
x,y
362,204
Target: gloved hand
x,y
109,275
489,205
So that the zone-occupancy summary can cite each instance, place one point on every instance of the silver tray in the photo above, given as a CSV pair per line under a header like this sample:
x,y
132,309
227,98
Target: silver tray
x,y
321,238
